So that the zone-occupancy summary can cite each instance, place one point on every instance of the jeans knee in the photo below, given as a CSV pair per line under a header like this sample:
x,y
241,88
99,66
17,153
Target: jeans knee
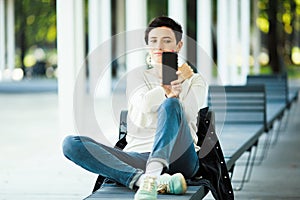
x,y
69,144
171,104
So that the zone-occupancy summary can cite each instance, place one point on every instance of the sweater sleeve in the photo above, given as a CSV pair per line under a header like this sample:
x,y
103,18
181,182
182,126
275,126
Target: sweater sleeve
x,y
195,91
147,101
143,100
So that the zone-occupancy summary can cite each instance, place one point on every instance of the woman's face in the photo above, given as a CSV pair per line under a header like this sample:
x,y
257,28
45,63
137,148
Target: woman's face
x,y
162,39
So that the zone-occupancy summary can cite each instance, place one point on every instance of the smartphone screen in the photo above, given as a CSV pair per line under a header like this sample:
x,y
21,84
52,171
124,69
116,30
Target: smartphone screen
x,y
169,67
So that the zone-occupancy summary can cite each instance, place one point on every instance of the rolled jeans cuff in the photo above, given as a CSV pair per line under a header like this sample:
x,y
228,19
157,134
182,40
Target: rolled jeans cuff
x,y
135,177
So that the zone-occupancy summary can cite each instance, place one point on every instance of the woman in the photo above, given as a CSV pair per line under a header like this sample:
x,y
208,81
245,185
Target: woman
x,y
161,150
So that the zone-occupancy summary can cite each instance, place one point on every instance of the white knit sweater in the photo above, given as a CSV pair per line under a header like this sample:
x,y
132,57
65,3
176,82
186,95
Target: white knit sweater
x,y
145,95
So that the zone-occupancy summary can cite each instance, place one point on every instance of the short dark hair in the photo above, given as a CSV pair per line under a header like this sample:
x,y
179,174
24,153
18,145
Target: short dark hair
x,y
167,22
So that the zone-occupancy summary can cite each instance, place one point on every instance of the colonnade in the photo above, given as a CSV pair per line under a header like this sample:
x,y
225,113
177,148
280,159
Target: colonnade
x,y
232,35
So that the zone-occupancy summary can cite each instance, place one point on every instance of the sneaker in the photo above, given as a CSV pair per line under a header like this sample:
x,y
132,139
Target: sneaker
x,y
174,184
147,190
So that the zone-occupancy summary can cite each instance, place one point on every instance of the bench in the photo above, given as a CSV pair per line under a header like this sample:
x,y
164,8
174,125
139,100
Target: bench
x,y
241,120
277,86
235,119
279,98
117,192
276,94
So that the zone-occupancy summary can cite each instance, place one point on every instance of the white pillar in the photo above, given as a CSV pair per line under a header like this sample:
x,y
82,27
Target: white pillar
x,y
234,53
120,48
256,39
222,41
204,39
136,23
70,48
100,36
177,11
2,38
10,24
245,39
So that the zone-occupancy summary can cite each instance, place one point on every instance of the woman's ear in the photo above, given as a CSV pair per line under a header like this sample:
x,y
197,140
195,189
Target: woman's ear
x,y
179,46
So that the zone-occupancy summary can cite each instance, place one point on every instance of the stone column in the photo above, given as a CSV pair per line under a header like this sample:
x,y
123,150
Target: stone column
x,y
136,22
204,39
222,41
177,11
71,70
2,39
10,36
99,37
256,38
234,40
245,39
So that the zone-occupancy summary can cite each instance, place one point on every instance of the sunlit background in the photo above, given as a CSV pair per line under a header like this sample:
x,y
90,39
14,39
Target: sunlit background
x,y
35,35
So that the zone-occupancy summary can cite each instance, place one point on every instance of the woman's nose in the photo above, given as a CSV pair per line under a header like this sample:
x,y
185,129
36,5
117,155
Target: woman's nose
x,y
160,45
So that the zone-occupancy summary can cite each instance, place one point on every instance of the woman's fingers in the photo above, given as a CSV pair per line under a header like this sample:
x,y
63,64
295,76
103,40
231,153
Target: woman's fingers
x,y
180,77
176,87
175,82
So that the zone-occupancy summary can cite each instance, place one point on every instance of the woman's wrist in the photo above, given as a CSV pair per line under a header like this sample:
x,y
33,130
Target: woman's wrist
x,y
172,95
168,92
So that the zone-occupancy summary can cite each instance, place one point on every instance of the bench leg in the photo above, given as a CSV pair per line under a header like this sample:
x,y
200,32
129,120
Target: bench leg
x,y
286,119
255,146
252,162
277,130
247,166
290,111
98,183
265,148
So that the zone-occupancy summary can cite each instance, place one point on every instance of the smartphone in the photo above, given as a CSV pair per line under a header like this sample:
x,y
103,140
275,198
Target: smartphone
x,y
169,67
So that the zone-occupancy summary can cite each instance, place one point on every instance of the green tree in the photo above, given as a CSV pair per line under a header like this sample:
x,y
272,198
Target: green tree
x,y
35,24
279,25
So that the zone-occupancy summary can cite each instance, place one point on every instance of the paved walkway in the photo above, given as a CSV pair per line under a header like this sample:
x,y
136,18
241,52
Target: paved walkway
x,y
278,177
33,167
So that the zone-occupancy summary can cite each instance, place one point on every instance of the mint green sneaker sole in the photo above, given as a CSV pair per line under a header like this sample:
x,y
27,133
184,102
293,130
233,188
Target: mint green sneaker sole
x,y
183,183
176,184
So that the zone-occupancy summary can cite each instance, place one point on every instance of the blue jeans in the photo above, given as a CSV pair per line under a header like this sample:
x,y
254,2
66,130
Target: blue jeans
x,y
173,147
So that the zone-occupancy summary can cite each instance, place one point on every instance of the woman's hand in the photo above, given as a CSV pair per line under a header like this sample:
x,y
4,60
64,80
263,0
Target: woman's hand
x,y
176,87
180,76
186,72
173,90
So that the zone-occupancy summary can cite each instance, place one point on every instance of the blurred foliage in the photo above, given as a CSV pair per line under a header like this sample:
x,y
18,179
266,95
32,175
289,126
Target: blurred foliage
x,y
287,26
35,26
156,8
293,71
37,20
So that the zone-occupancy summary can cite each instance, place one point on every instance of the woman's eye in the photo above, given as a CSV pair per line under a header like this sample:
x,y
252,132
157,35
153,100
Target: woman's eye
x,y
152,41
167,41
